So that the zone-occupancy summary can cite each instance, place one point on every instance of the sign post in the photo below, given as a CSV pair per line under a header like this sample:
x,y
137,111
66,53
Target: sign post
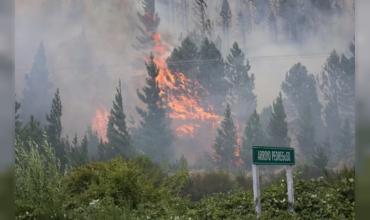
x,y
263,155
290,188
256,189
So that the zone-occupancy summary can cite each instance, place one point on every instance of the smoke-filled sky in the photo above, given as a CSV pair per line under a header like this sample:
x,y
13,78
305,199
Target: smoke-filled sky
x,y
88,45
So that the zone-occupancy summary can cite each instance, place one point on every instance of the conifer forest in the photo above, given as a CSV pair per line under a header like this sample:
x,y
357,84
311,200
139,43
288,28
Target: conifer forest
x,y
149,109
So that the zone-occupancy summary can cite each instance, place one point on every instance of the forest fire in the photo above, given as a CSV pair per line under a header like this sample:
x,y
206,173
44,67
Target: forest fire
x,y
99,123
180,94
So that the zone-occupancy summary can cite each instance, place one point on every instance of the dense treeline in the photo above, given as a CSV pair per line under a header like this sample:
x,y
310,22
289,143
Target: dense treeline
x,y
316,127
314,114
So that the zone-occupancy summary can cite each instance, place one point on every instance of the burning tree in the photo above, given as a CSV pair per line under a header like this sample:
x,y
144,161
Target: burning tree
x,y
226,142
180,88
154,136
149,24
202,22
178,61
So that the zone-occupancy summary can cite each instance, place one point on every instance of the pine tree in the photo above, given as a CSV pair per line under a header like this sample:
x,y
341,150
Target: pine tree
x,y
149,24
226,15
75,141
54,129
226,142
320,158
37,92
183,163
289,13
300,90
226,20
212,74
84,150
155,136
102,150
241,94
33,132
265,117
178,61
333,124
337,86
278,126
253,135
92,144
77,153
347,141
306,136
73,153
202,22
117,132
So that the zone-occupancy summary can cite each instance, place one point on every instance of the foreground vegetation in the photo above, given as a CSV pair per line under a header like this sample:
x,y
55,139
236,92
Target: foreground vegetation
x,y
140,189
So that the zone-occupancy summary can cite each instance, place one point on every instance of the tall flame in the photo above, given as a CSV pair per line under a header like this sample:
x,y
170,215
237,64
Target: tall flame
x,y
180,94
99,123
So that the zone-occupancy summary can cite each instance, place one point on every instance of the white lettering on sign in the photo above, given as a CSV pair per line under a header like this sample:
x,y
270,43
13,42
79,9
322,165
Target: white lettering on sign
x,y
280,156
264,155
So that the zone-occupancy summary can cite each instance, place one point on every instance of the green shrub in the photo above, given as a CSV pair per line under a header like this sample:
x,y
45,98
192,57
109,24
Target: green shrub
x,y
200,185
140,189
38,191
323,198
136,188
123,182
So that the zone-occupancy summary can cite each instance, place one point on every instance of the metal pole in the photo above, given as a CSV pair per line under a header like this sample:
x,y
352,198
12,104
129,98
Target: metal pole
x,y
289,180
256,190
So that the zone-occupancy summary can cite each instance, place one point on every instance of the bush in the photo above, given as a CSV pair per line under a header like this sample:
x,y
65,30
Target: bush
x,y
123,182
200,185
136,188
238,205
322,198
140,189
38,191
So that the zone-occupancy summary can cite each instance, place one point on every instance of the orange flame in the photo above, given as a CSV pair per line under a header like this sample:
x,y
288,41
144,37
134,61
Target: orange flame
x,y
186,130
99,123
180,94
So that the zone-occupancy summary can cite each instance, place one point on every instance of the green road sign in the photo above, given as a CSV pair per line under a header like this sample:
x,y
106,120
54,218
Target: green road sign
x,y
263,155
